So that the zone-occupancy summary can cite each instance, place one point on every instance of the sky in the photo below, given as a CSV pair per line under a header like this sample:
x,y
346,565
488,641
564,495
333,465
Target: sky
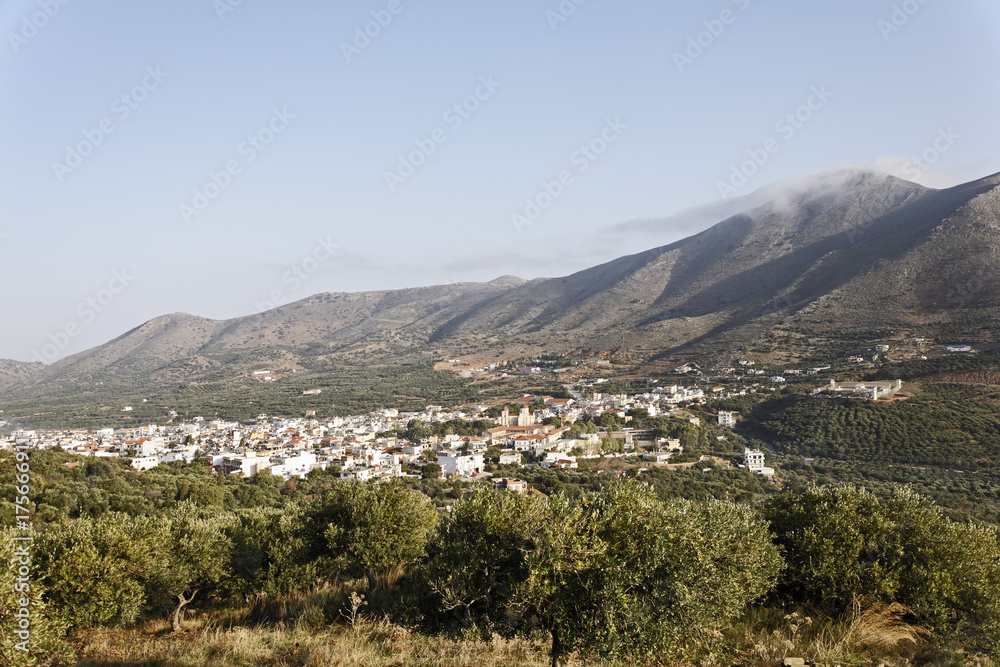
x,y
220,157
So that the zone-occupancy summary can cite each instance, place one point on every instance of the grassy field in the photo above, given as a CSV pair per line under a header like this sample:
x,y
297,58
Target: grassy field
x,y
877,635
209,641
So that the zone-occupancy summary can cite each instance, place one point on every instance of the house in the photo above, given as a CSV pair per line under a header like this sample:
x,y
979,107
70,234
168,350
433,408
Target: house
x,y
144,462
727,419
669,445
510,457
360,473
753,460
247,465
507,484
871,389
559,460
295,465
460,464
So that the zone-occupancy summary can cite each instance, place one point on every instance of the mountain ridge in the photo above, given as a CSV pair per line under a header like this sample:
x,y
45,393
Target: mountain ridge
x,y
849,250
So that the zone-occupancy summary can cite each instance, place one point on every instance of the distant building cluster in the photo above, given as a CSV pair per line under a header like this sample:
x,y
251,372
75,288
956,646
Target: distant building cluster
x,y
357,447
872,389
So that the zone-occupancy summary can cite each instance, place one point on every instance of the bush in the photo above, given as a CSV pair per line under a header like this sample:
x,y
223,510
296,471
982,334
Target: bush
x,y
844,545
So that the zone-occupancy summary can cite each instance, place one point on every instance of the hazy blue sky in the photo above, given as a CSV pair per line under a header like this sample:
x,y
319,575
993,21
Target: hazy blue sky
x,y
100,231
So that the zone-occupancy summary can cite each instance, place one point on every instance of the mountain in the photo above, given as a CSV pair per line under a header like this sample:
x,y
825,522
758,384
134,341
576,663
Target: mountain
x,y
846,252
13,373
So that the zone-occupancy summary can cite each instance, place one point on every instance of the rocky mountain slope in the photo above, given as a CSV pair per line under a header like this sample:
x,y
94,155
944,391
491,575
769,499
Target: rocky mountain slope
x,y
848,251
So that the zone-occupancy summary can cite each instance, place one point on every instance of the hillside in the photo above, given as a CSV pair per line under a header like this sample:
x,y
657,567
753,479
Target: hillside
x,y
843,254
13,373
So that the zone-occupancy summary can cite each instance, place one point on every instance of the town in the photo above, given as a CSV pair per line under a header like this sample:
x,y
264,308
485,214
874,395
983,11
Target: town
x,y
388,443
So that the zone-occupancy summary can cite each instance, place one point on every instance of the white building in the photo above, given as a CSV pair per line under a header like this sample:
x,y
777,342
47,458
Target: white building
x,y
295,465
249,464
186,454
753,459
727,419
144,462
457,463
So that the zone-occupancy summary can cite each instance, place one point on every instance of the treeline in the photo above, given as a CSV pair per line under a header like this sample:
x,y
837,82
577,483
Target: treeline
x,y
620,571
963,495
65,487
943,426
346,391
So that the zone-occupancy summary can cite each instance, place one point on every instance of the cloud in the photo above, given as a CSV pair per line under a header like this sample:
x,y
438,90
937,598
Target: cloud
x,y
783,195
906,169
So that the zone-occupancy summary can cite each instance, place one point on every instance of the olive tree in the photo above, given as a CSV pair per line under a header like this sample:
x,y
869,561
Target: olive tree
x,y
845,544
30,632
372,527
196,555
624,574
94,569
478,560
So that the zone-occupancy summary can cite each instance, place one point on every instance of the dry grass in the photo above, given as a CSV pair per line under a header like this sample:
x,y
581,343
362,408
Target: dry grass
x,y
872,634
333,624
368,643
336,624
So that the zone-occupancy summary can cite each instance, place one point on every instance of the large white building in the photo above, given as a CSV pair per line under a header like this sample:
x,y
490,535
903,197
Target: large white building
x,y
753,459
727,419
457,463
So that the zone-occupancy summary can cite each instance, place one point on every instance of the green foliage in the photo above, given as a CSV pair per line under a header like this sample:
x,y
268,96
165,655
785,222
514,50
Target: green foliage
x,y
623,574
943,426
41,641
196,556
267,544
347,390
478,559
96,571
372,527
844,545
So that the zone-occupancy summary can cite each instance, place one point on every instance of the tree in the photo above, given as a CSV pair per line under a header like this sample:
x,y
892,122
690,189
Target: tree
x,y
372,527
42,641
417,430
845,544
478,558
94,569
610,421
431,471
623,574
266,552
195,556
